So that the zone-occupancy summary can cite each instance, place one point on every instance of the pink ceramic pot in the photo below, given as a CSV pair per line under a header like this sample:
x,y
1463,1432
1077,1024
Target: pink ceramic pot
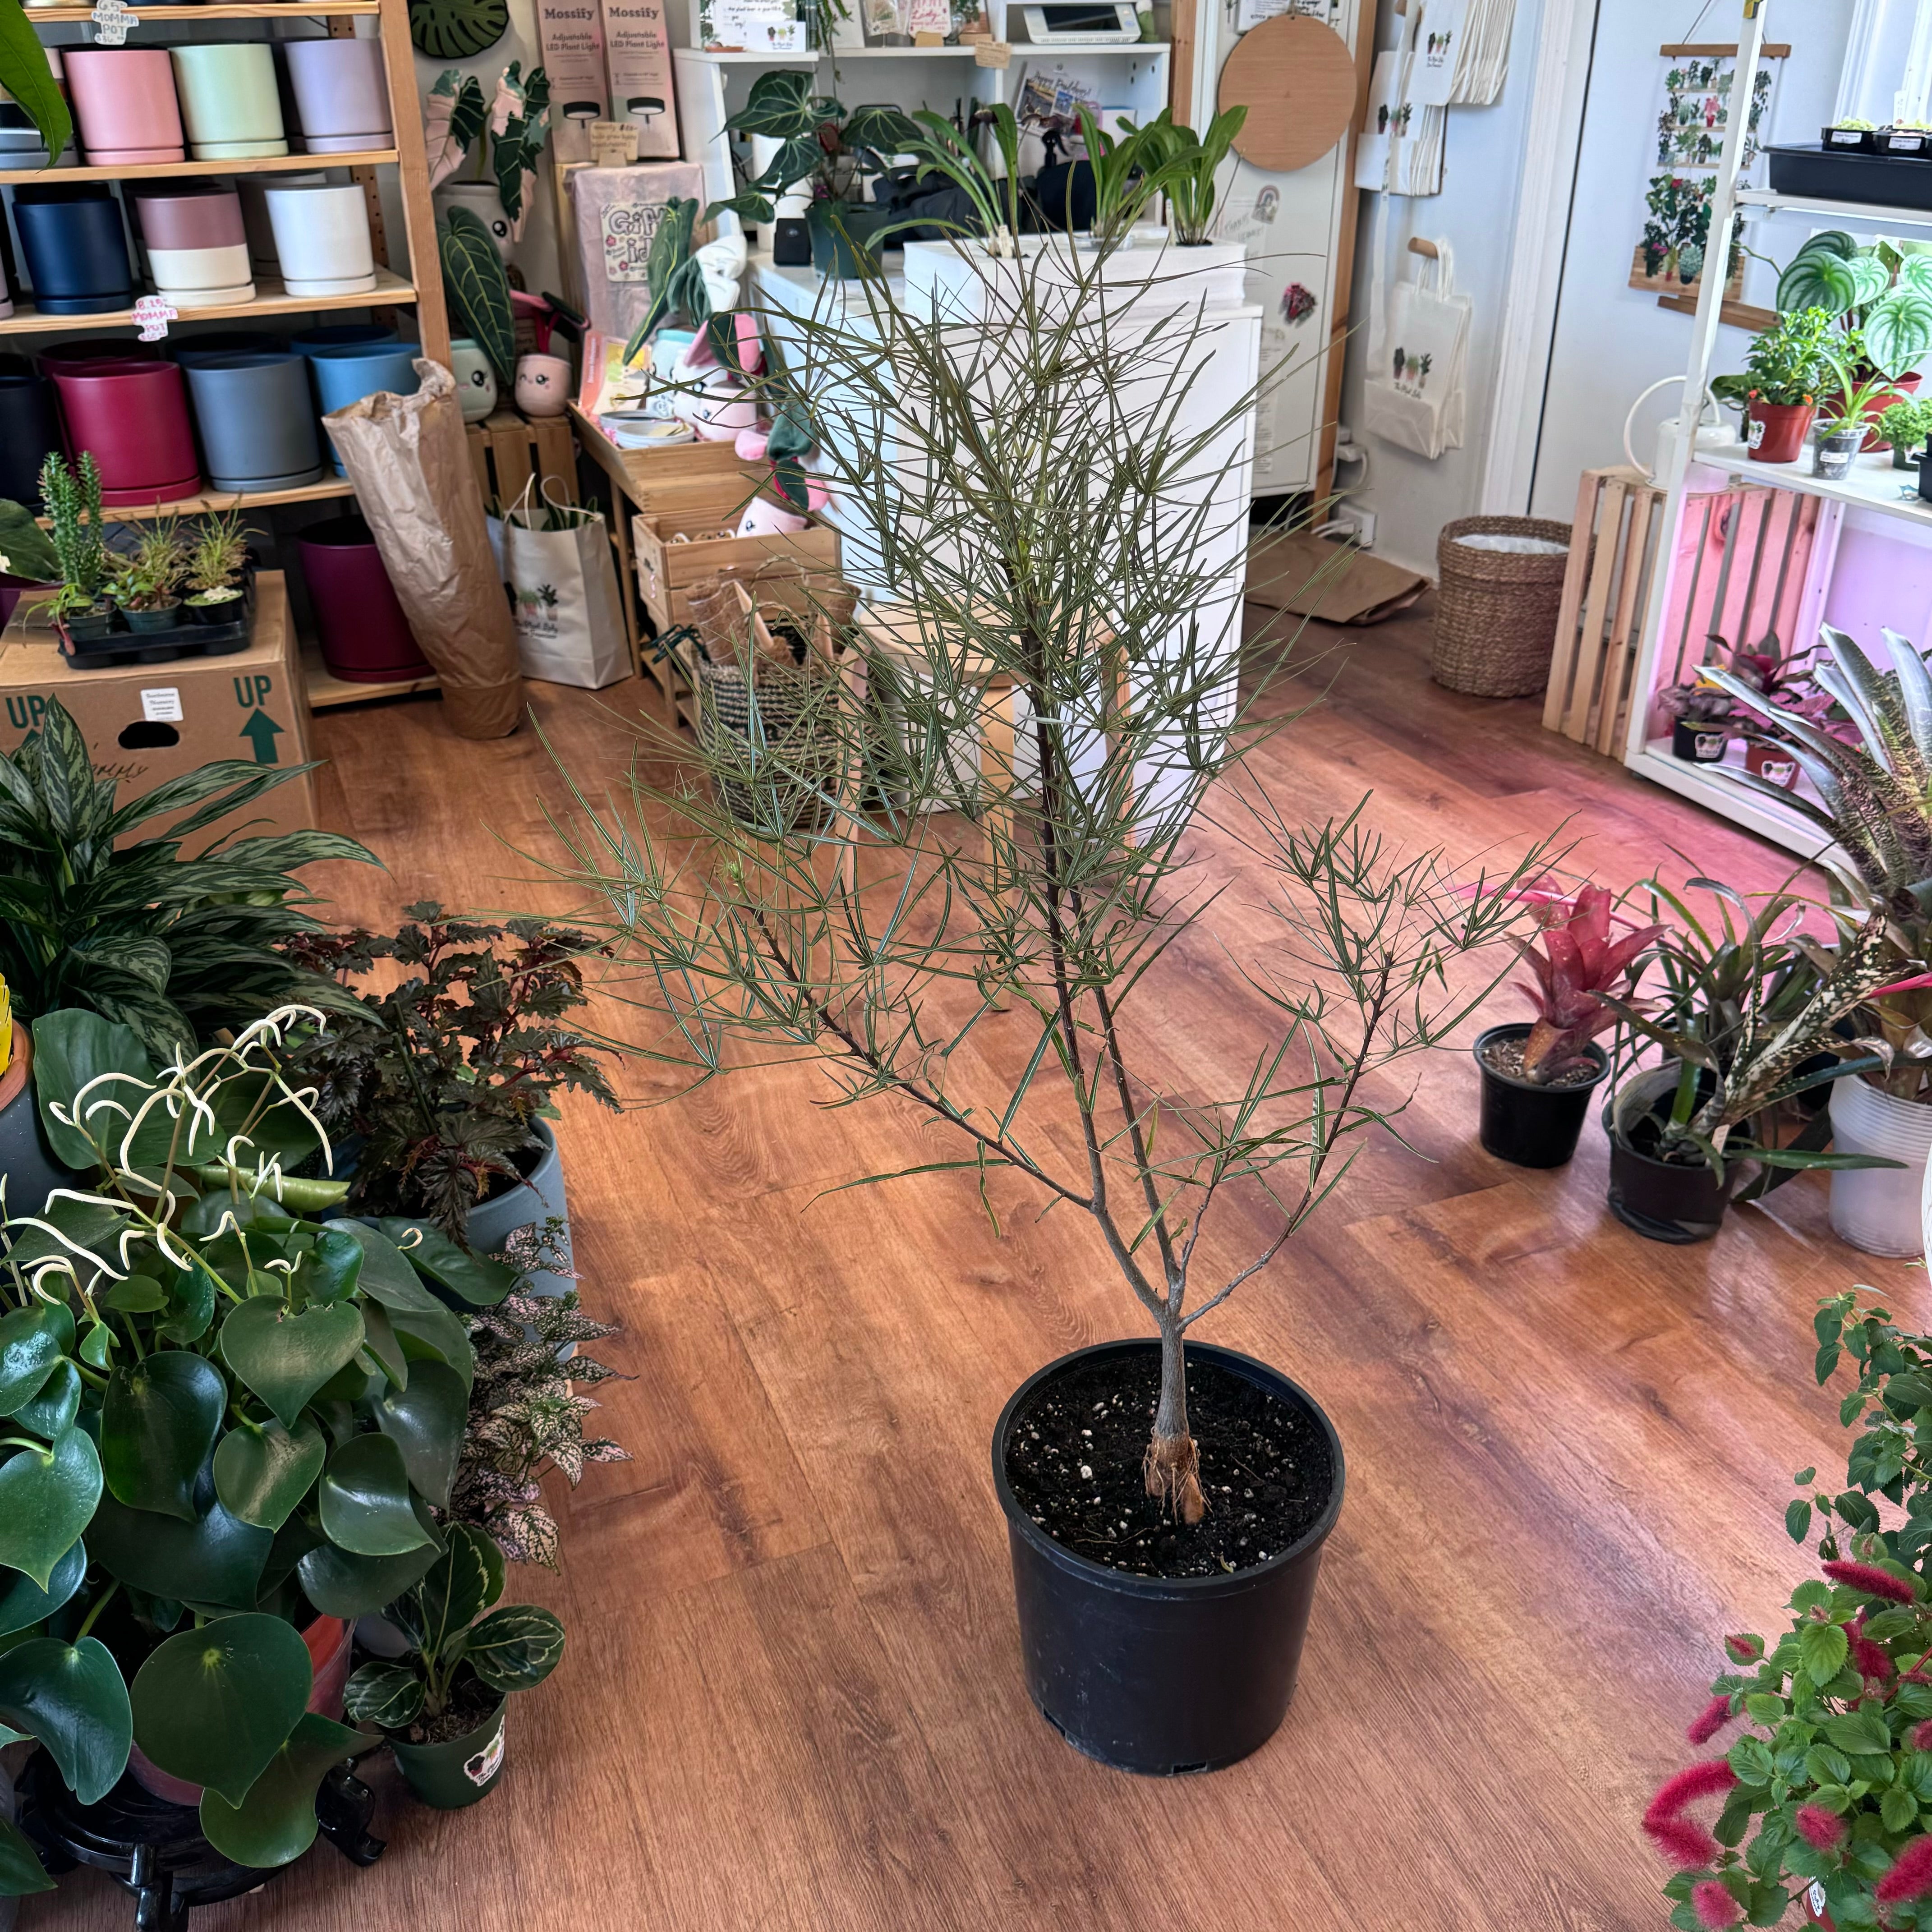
x,y
133,416
123,99
197,246
340,99
543,384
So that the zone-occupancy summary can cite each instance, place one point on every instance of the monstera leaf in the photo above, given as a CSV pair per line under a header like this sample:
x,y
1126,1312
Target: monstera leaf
x,y
1898,330
458,29
479,290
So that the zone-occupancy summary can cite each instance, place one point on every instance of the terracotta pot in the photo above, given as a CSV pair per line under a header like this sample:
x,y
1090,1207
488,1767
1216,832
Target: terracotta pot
x,y
133,416
123,101
365,636
197,246
330,1641
1772,763
1777,431
230,104
340,96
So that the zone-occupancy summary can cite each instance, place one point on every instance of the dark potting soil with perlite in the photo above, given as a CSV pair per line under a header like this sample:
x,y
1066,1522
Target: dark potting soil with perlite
x,y
1073,1458
1506,1057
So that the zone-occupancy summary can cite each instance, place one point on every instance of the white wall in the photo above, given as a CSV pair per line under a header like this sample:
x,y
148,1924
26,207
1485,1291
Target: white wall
x,y
1611,341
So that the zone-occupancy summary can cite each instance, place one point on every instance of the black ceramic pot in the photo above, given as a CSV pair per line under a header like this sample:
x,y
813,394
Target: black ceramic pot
x,y
29,429
1528,1125
1156,1674
76,246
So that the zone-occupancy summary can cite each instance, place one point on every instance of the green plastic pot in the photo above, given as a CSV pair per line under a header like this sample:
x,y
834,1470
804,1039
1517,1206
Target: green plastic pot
x,y
837,241
449,1776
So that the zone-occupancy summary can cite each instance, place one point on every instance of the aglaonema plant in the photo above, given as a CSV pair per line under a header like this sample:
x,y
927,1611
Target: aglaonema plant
x,y
882,887
222,1419
1827,1796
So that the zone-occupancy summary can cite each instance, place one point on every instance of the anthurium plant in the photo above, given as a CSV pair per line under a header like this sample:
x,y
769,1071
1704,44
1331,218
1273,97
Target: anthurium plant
x,y
464,1656
222,1419
1827,1794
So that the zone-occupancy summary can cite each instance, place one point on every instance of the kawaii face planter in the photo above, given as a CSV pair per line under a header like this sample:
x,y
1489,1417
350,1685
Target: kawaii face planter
x,y
543,384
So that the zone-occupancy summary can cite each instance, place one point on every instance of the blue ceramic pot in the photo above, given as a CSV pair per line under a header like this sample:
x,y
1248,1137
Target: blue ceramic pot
x,y
76,246
347,375
256,420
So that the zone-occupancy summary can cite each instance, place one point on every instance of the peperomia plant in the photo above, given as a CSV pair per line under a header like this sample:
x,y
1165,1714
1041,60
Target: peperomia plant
x,y
223,1421
1830,1792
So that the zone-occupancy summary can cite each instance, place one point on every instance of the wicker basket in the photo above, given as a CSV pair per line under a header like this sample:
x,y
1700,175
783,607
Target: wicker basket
x,y
1496,610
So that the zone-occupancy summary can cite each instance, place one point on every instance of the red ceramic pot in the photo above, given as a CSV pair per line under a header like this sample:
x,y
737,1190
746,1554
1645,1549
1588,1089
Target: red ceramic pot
x,y
364,637
330,1642
133,416
1772,763
1777,430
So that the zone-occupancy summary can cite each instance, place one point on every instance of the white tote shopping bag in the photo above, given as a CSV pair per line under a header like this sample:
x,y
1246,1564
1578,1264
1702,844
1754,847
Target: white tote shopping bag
x,y
570,628
1415,396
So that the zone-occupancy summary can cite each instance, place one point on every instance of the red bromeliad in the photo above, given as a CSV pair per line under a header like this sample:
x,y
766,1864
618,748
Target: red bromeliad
x,y
1578,963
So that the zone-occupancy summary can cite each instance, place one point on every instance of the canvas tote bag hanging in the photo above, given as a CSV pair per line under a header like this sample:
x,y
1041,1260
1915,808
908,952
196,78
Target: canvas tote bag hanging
x,y
1415,397
556,558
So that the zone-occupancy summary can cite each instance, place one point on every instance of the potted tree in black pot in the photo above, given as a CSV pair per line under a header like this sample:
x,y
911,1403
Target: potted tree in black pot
x,y
1064,666
1538,1077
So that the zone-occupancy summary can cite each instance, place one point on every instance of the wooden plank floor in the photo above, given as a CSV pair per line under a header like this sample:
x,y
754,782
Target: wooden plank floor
x,y
792,1702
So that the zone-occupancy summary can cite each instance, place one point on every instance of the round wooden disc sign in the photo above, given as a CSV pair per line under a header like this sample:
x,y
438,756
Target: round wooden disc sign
x,y
1296,78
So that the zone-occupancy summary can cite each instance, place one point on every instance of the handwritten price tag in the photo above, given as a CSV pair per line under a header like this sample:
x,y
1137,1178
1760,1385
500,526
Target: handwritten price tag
x,y
111,20
153,315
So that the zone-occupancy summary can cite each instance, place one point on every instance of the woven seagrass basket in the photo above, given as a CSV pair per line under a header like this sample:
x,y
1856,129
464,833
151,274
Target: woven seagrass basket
x,y
1496,610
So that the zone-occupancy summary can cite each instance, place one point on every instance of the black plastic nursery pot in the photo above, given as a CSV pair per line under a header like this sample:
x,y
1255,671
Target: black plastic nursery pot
x,y
837,243
1660,1200
1526,1124
1698,744
1154,1675
448,1776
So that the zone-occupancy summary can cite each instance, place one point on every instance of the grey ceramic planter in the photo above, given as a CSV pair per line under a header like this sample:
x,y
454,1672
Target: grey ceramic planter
x,y
257,420
539,1198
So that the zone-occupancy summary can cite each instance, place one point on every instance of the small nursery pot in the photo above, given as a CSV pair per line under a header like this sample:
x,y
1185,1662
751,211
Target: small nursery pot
x,y
1161,1674
476,378
351,372
1776,431
1700,744
29,429
76,248
1831,455
483,201
540,1199
364,637
447,1776
90,626
161,617
197,246
1527,1125
1877,1209
339,93
1658,1199
229,103
257,420
836,247
123,101
133,416
1772,763
543,384
214,606
322,239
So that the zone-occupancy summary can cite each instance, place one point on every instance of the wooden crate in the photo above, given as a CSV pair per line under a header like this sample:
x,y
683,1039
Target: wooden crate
x,y
1613,550
506,450
667,567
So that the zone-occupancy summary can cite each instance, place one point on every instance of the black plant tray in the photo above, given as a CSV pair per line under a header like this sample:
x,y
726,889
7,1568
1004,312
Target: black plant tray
x,y
121,646
1883,180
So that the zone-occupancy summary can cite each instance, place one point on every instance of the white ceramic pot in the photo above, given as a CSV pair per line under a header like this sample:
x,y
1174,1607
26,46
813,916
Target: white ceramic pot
x,y
543,384
796,202
483,201
200,278
764,518
964,283
475,380
322,239
1877,1209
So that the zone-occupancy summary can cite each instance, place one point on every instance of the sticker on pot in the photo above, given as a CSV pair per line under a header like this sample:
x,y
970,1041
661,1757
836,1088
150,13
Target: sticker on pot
x,y
111,20
163,707
1815,1897
152,314
485,1765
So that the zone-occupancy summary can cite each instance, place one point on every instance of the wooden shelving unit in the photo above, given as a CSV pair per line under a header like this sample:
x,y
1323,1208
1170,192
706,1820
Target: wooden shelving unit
x,y
73,12
212,502
172,170
391,291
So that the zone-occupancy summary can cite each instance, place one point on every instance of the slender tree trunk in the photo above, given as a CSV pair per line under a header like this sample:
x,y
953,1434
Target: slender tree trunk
x,y
1173,1463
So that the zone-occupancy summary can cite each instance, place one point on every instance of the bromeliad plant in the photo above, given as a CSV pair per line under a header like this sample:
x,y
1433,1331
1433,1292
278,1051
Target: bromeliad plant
x,y
443,1075
172,947
222,1419
465,1656
1578,962
1830,1791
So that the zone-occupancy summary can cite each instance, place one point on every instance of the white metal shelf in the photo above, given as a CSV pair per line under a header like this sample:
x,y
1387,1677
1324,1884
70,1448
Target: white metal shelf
x,y
1871,483
1880,213
1706,785
828,56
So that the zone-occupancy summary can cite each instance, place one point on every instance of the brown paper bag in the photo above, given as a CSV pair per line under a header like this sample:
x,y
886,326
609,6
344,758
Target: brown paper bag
x,y
410,465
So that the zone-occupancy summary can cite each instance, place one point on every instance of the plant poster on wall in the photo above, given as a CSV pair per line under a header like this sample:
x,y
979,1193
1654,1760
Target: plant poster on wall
x,y
1683,146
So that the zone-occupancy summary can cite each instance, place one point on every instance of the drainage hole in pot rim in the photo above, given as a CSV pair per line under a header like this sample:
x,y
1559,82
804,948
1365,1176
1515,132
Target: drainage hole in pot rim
x,y
1505,1057
1073,1457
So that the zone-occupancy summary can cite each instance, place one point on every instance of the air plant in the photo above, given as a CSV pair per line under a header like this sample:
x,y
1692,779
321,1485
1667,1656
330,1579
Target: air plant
x,y
1579,961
